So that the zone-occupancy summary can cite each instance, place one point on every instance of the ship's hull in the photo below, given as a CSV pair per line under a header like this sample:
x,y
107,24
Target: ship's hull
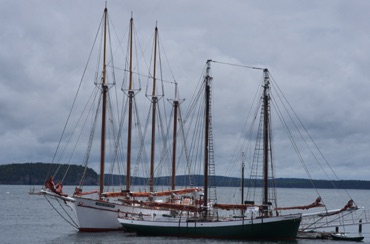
x,y
92,215
95,216
273,228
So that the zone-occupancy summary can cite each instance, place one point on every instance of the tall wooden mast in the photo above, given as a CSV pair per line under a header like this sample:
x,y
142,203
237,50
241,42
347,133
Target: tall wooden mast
x,y
242,181
104,104
154,112
130,97
176,107
266,126
207,80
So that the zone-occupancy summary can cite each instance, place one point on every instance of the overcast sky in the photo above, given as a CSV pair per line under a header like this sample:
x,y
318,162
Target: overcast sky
x,y
317,51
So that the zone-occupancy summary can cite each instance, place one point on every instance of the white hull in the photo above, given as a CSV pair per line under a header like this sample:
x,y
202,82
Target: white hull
x,y
93,215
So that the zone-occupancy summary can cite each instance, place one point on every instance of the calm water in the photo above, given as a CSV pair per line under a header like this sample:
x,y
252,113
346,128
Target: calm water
x,y
30,219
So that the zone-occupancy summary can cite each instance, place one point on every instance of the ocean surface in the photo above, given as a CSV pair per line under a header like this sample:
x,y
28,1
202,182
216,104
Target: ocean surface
x,y
28,218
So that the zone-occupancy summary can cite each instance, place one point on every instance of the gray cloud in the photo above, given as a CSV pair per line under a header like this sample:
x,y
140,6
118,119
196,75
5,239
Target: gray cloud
x,y
316,51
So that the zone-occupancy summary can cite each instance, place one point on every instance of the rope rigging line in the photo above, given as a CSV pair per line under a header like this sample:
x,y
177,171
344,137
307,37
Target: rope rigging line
x,y
289,133
70,138
118,140
295,146
310,138
75,99
185,149
111,57
120,40
164,138
141,152
114,142
241,141
238,65
199,89
273,193
142,155
96,81
168,151
257,162
197,148
90,142
160,68
138,61
71,221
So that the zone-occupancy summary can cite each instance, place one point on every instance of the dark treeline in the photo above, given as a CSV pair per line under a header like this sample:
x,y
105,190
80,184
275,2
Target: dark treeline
x,y
36,173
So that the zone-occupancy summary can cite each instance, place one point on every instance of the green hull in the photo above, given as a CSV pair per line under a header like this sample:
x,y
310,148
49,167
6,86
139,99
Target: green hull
x,y
275,228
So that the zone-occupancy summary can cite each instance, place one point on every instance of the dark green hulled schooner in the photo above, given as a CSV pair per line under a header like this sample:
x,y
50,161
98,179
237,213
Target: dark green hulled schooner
x,y
200,218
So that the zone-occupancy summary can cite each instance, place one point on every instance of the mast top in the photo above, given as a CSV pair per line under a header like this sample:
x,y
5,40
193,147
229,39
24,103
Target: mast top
x,y
176,92
266,77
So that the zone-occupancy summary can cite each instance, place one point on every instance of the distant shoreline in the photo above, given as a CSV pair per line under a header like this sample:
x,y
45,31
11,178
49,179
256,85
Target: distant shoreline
x,y
33,174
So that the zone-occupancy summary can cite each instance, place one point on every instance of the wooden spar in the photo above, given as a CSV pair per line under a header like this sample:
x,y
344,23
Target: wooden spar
x,y
206,135
178,192
176,106
317,203
129,129
154,109
104,104
164,205
172,206
350,204
233,206
266,99
242,183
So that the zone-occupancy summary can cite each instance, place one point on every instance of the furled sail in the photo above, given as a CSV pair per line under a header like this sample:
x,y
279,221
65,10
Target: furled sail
x,y
317,203
151,194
